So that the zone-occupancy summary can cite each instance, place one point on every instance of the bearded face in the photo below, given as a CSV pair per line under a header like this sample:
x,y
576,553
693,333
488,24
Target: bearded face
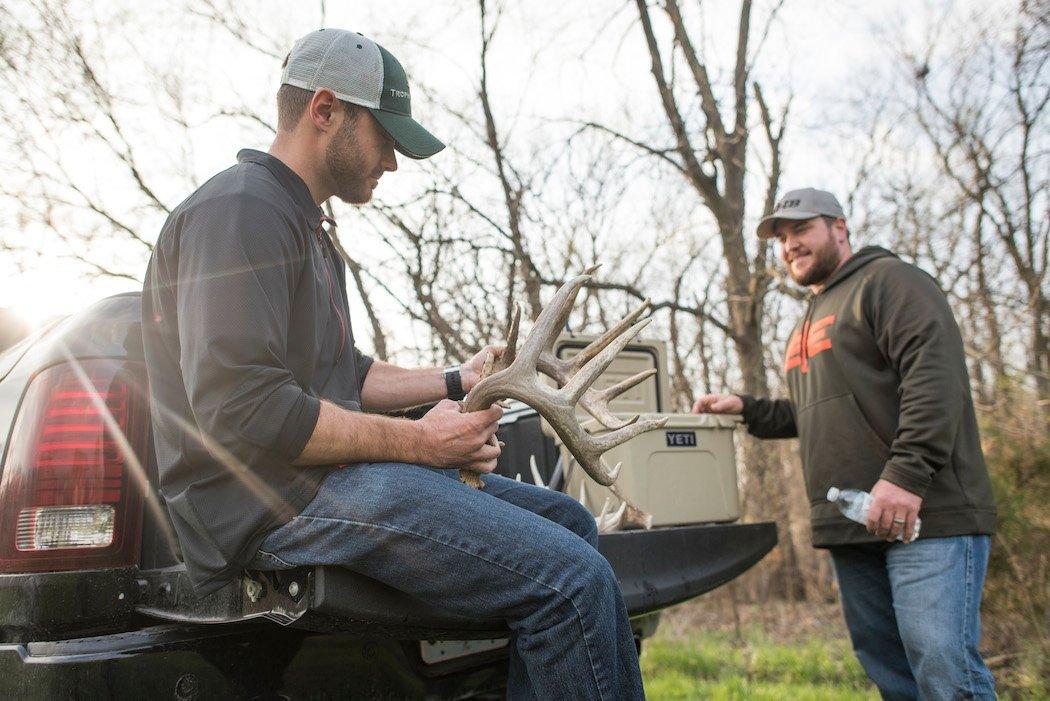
x,y
810,253
347,163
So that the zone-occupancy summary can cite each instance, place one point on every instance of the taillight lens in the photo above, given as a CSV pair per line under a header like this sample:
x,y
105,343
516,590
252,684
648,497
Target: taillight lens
x,y
69,498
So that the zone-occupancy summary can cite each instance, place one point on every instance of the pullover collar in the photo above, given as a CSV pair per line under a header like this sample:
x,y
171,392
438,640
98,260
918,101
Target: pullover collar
x,y
289,180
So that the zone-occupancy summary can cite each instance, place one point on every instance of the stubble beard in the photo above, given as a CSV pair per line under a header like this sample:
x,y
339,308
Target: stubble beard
x,y
343,159
825,262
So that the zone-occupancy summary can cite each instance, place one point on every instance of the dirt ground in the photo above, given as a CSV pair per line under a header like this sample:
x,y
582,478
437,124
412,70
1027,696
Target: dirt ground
x,y
780,620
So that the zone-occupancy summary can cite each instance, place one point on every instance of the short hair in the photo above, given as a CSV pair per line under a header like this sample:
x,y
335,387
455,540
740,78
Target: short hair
x,y
293,101
831,220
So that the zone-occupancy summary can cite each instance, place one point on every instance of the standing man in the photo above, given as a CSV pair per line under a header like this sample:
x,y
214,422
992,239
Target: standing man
x,y
266,457
880,401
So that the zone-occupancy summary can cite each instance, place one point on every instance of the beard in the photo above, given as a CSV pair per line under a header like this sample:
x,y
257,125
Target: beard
x,y
346,166
825,261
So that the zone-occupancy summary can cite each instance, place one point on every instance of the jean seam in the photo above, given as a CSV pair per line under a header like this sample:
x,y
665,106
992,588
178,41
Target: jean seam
x,y
967,642
579,615
275,557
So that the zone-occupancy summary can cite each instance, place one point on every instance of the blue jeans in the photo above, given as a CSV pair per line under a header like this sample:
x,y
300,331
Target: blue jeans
x,y
913,613
511,550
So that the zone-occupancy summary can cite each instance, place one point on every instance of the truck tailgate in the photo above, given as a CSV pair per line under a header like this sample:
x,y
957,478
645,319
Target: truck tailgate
x,y
655,569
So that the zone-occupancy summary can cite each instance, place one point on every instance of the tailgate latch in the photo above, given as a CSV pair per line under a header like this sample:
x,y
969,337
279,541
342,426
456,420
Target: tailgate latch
x,y
281,596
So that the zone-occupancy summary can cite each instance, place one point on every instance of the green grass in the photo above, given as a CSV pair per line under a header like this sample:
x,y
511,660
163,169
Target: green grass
x,y
717,666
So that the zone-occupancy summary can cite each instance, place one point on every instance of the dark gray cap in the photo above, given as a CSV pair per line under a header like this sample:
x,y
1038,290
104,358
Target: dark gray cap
x,y
799,205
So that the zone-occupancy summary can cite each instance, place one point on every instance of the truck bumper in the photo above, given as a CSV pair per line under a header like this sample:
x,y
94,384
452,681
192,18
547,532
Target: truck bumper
x,y
238,661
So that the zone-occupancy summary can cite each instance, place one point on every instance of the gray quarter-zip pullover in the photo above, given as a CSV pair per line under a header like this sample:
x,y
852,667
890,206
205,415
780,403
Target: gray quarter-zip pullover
x,y
245,328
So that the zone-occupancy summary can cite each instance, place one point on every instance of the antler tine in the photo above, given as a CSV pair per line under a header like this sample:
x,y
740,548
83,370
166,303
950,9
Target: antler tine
x,y
512,338
619,388
518,379
586,375
634,515
599,343
596,402
563,318
612,522
603,415
536,478
612,474
591,399
605,508
622,435
546,328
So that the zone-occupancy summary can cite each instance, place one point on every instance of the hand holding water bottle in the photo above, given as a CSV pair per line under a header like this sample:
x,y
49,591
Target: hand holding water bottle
x,y
889,512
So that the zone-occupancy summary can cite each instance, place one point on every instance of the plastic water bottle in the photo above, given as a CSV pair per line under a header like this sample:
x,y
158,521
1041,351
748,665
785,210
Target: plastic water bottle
x,y
854,504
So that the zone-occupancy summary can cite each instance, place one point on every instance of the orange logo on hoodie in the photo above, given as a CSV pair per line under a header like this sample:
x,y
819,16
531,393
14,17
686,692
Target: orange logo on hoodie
x,y
810,341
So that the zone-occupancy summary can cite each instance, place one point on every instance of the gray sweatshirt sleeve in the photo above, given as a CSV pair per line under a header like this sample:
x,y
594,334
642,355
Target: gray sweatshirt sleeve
x,y
364,364
916,332
239,263
769,418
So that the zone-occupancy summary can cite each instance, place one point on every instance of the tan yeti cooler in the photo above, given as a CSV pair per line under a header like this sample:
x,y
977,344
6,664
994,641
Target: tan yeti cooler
x,y
683,473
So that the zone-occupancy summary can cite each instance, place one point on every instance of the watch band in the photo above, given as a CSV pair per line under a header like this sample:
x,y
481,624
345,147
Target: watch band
x,y
454,383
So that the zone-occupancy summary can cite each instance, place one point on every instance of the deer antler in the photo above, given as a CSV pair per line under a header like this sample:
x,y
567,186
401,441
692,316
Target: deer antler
x,y
627,517
596,402
514,375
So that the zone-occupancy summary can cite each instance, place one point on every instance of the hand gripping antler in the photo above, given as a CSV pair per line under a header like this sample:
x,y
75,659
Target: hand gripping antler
x,y
514,375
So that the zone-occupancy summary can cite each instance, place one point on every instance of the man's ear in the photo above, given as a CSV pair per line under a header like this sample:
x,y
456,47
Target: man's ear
x,y
840,228
322,109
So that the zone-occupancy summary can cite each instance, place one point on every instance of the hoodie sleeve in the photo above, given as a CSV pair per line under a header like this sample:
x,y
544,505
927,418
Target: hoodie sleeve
x,y
916,331
769,418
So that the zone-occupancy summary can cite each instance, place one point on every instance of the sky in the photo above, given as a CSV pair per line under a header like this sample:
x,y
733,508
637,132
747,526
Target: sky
x,y
550,62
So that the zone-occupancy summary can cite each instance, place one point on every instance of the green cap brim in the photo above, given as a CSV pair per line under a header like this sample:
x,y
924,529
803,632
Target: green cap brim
x,y
765,227
410,138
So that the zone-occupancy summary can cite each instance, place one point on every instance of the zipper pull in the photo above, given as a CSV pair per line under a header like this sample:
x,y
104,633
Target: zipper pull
x,y
319,231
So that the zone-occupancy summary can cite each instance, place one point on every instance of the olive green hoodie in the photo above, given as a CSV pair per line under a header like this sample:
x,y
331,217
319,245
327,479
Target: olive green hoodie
x,y
879,389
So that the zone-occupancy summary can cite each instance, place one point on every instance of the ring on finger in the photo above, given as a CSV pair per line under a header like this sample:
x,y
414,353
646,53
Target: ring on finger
x,y
898,521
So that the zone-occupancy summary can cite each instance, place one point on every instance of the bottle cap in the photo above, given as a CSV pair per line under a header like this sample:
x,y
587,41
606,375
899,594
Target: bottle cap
x,y
833,494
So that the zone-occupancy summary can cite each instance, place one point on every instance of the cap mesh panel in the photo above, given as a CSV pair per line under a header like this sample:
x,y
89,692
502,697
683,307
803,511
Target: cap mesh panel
x,y
331,59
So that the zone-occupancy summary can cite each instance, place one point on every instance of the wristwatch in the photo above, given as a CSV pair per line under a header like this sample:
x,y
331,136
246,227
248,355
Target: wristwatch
x,y
454,383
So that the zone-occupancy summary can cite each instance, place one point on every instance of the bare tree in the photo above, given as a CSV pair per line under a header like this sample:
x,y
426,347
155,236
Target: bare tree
x,y
711,150
982,108
62,99
521,221
56,101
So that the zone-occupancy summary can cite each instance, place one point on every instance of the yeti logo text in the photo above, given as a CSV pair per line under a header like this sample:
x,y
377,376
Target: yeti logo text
x,y
680,439
787,204
399,93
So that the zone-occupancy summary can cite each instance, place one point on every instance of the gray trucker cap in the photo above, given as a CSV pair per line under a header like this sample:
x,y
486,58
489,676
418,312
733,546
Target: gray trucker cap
x,y
801,204
360,71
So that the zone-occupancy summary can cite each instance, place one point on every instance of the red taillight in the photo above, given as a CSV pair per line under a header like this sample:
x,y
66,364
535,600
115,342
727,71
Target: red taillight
x,y
69,497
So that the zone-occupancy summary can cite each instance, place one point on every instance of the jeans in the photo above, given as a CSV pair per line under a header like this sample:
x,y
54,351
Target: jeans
x,y
913,613
510,550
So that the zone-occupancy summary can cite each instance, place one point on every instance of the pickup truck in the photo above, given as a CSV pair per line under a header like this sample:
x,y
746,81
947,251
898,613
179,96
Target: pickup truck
x,y
94,599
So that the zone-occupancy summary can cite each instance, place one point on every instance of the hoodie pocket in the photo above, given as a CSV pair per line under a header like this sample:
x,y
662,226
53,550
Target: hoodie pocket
x,y
839,447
